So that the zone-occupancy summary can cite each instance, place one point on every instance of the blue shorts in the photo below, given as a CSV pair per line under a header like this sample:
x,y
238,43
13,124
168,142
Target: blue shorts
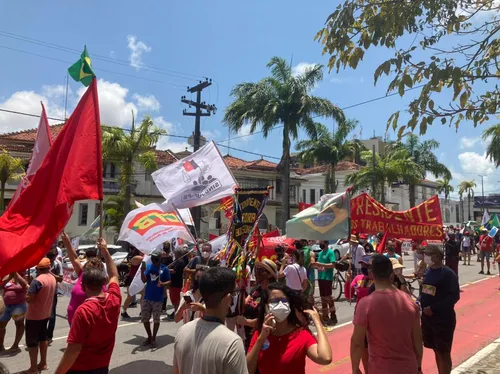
x,y
465,249
16,312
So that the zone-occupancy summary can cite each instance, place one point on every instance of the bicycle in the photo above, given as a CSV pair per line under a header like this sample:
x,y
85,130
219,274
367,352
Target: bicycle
x,y
414,291
339,280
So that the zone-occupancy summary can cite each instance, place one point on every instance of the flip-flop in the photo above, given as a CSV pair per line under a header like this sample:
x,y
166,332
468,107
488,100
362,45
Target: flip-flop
x,y
153,345
43,368
146,342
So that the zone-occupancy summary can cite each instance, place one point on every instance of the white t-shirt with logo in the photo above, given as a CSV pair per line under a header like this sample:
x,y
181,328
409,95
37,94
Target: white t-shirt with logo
x,y
357,252
295,275
466,241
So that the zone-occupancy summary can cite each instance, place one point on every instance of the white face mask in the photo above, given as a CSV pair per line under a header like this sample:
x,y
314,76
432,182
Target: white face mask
x,y
428,260
205,254
281,310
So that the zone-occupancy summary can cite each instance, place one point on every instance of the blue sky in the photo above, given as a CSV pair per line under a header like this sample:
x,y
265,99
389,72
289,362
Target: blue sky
x,y
227,41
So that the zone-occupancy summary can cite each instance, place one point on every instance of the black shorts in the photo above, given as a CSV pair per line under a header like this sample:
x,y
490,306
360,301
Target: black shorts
x,y
36,332
438,334
93,371
325,287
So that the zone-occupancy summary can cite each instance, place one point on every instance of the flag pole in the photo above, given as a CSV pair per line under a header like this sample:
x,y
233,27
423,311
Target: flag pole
x,y
101,218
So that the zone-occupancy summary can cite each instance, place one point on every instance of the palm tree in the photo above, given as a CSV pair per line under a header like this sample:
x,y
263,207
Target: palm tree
x,y
493,149
461,198
125,148
281,100
327,148
11,168
445,186
356,147
395,165
423,154
467,187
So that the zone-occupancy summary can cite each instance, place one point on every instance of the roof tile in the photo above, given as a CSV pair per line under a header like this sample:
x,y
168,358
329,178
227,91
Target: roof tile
x,y
30,135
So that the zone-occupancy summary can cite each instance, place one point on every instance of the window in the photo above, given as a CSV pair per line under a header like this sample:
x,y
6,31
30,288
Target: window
x,y
112,173
292,190
82,214
321,192
278,185
278,217
312,196
97,210
104,167
304,195
147,177
254,183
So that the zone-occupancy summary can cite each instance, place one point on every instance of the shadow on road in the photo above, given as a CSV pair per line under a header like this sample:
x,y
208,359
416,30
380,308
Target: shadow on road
x,y
141,365
161,341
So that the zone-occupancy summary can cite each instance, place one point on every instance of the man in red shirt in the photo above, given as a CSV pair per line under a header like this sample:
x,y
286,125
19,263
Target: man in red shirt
x,y
92,335
485,250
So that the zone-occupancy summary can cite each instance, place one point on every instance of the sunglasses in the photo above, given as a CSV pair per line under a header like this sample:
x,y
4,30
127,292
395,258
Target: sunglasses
x,y
276,300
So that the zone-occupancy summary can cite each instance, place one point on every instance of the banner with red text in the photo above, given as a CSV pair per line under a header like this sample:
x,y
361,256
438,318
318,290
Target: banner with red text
x,y
421,222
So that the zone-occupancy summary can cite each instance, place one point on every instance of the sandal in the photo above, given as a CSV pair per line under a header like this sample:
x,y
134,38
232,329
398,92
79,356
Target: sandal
x,y
153,344
42,368
146,342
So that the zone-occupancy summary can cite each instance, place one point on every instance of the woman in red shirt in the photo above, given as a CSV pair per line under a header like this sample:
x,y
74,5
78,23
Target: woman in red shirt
x,y
15,288
282,340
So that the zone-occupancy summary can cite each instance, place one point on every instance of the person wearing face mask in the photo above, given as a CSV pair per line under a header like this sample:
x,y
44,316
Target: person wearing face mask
x,y
157,277
205,345
266,272
191,303
325,265
399,280
293,271
440,293
356,252
206,260
391,252
282,340
363,240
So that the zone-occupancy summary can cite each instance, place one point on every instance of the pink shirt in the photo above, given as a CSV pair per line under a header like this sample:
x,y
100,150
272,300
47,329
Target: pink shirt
x,y
361,284
389,317
77,298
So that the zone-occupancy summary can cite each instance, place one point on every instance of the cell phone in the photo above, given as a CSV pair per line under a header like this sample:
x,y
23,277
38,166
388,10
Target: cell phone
x,y
188,298
143,264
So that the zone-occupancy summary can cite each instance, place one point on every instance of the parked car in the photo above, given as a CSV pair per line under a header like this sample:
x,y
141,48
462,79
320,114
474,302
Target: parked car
x,y
340,247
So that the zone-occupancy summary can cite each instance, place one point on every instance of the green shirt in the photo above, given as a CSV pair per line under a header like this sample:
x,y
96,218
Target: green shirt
x,y
307,263
326,257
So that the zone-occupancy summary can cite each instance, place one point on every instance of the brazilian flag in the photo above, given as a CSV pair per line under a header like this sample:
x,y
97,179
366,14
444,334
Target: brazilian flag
x,y
493,222
81,71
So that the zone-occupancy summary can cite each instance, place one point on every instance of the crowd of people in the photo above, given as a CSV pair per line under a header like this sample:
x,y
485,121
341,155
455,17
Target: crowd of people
x,y
265,327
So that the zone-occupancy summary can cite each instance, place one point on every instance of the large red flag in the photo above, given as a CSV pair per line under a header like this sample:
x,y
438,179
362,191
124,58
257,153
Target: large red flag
x,y
71,171
43,142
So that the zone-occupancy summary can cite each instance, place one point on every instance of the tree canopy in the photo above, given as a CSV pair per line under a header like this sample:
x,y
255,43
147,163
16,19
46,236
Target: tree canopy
x,y
447,47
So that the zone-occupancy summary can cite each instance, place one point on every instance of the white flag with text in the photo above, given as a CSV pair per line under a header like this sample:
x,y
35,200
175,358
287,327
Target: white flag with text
x,y
198,179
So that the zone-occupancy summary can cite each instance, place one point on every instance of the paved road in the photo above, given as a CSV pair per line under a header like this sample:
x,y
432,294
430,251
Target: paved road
x,y
130,357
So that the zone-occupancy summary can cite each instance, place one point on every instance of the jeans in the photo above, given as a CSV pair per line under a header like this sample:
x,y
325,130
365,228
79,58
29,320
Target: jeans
x,y
52,319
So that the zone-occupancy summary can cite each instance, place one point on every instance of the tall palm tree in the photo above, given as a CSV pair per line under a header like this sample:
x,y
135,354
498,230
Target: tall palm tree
x,y
493,149
467,187
125,148
395,165
423,154
461,198
11,168
445,187
327,148
356,147
281,100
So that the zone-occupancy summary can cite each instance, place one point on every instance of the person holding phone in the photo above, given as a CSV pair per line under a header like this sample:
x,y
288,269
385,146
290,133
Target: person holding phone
x,y
191,303
282,340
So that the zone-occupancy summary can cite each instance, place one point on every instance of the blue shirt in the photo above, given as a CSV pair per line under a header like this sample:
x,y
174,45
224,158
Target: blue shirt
x,y
153,274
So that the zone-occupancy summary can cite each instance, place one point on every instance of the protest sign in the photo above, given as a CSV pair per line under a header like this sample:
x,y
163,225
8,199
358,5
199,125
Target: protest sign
x,y
421,222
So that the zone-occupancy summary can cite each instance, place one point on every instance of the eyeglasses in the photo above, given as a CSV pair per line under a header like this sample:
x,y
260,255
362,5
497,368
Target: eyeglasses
x,y
278,299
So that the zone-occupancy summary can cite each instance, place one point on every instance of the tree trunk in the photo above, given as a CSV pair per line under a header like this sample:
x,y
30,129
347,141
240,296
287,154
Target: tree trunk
x,y
285,173
412,192
327,180
382,193
127,187
332,179
2,196
468,202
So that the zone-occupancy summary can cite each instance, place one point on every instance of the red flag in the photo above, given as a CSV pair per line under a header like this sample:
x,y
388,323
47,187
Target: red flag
x,y
43,142
304,206
211,237
71,171
381,245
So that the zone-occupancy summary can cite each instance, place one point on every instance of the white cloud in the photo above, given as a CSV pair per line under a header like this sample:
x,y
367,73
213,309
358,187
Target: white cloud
x,y
147,103
245,130
476,163
467,142
112,54
301,67
336,80
167,142
211,134
56,91
137,48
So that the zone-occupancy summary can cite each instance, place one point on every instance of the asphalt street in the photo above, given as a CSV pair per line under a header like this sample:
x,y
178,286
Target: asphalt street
x,y
130,356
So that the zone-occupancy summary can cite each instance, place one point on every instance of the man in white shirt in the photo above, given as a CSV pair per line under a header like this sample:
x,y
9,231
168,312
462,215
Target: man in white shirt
x,y
356,253
206,345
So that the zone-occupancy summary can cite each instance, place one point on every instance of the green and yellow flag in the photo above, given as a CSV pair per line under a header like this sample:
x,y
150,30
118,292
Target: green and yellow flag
x,y
81,71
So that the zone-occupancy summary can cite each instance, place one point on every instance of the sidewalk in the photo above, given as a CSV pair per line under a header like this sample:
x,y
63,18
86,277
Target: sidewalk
x,y
486,361
477,326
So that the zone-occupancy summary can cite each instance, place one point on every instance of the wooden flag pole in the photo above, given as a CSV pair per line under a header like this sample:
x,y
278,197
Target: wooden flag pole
x,y
101,219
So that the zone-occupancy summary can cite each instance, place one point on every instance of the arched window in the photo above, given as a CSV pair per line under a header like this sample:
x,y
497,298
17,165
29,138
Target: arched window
x,y
263,222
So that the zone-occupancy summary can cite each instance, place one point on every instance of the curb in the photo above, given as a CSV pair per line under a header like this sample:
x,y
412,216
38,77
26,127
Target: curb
x,y
467,365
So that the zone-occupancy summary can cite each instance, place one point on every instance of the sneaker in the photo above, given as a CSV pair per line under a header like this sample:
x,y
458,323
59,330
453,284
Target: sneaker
x,y
481,272
488,273
334,319
171,316
133,305
125,315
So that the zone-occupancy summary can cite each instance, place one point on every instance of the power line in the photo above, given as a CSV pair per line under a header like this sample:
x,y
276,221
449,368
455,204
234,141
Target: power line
x,y
158,70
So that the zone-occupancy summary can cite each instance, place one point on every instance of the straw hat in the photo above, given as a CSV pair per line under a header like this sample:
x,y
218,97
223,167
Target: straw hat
x,y
354,239
396,264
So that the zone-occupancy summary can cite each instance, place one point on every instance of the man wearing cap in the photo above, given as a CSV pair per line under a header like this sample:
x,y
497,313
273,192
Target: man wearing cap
x,y
156,276
440,293
356,253
485,250
363,240
40,297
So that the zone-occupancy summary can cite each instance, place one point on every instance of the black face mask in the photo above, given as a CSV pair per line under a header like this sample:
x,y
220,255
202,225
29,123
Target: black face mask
x,y
322,246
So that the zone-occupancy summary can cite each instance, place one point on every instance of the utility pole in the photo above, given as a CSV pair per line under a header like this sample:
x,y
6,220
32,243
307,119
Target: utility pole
x,y
482,192
208,109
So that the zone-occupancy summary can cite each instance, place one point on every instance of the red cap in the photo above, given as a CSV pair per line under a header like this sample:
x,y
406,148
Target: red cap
x,y
363,236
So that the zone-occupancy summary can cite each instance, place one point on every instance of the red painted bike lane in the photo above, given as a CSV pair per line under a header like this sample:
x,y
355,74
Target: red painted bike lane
x,y
478,324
